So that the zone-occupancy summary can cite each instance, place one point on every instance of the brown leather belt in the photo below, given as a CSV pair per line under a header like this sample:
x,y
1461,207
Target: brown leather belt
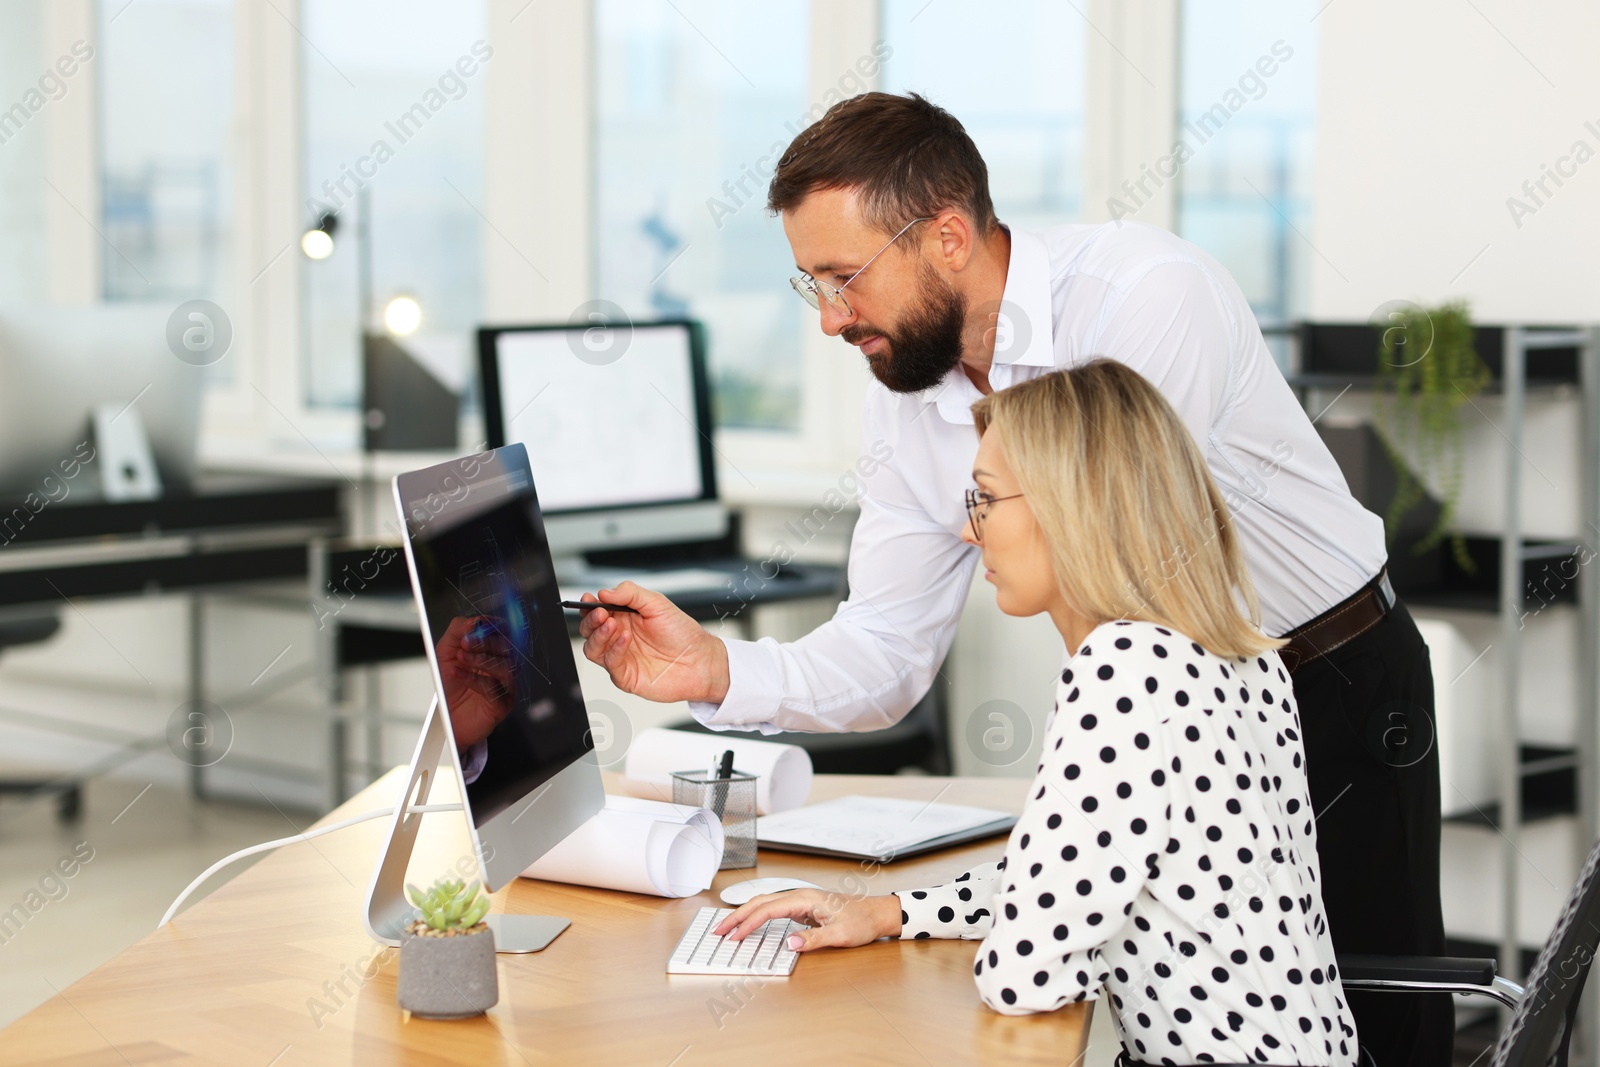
x,y
1340,624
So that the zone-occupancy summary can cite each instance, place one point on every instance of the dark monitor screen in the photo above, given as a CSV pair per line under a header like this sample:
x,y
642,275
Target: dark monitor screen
x,y
509,681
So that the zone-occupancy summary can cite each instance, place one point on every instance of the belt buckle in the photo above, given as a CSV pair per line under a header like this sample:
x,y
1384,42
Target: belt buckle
x,y
1386,597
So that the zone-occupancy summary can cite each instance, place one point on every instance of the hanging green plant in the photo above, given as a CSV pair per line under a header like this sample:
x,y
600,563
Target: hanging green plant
x,y
1427,369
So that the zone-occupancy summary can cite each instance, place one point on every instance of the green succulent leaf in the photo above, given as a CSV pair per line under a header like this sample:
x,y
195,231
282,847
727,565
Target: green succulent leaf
x,y
475,913
450,904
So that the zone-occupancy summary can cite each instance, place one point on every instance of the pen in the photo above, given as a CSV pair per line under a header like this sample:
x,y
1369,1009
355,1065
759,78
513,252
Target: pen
x,y
583,605
719,793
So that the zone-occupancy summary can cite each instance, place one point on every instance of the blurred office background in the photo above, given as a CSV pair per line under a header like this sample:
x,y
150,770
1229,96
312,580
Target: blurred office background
x,y
619,150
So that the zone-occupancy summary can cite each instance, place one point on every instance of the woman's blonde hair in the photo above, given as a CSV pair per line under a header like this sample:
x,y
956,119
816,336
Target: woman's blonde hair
x,y
1137,527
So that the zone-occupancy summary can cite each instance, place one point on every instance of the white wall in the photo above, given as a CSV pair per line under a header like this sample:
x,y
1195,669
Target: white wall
x,y
1431,113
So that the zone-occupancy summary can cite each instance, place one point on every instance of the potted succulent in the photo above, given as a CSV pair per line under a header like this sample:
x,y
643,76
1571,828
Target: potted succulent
x,y
447,955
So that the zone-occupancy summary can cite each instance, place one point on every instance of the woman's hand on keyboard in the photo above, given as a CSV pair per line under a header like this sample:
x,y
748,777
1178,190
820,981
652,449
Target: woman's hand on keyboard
x,y
660,654
838,920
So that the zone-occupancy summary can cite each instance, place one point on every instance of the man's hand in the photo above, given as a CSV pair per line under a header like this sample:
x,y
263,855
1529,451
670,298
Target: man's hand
x,y
659,654
838,920
475,666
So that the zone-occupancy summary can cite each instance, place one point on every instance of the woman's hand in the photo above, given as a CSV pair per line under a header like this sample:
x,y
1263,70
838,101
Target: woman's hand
x,y
837,920
660,654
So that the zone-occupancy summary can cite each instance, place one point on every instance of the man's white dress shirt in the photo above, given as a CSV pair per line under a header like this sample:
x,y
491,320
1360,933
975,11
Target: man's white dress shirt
x,y
1124,290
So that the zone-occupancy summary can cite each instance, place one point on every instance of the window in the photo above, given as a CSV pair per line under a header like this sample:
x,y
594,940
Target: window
x,y
1020,94
166,106
1247,111
24,244
696,100
393,120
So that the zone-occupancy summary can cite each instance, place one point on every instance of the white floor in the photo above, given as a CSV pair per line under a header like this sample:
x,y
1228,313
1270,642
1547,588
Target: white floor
x,y
1103,1043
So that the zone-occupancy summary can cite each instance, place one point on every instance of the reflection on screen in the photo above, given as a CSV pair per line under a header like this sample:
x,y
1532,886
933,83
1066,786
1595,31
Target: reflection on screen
x,y
511,688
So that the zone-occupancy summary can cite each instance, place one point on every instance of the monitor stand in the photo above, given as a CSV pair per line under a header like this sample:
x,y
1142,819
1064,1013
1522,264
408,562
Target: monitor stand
x,y
388,912
525,933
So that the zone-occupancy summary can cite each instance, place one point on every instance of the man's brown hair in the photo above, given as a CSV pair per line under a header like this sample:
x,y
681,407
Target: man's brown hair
x,y
907,159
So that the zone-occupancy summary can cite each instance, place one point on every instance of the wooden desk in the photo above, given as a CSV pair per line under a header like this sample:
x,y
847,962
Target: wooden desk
x,y
237,979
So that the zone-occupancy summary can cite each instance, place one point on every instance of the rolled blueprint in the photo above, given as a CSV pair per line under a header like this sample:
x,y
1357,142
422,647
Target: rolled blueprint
x,y
784,771
638,846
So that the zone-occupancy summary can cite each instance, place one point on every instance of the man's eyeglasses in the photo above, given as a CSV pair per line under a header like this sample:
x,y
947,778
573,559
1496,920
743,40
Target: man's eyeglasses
x,y
810,289
978,499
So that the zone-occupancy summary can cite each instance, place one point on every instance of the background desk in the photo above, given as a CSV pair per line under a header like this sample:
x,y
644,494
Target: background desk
x,y
366,616
225,530
222,533
233,979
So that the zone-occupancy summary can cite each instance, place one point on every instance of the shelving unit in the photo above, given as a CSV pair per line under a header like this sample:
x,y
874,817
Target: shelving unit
x,y
1519,343
1534,781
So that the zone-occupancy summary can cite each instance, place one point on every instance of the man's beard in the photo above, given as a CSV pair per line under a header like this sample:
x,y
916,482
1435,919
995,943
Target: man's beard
x,y
926,345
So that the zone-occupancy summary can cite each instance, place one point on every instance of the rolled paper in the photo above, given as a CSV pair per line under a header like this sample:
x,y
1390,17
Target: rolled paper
x,y
783,772
638,846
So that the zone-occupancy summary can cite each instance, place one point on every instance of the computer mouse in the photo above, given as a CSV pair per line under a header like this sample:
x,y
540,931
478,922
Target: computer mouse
x,y
743,892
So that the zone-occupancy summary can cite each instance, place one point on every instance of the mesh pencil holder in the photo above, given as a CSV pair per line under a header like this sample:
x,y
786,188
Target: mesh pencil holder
x,y
734,799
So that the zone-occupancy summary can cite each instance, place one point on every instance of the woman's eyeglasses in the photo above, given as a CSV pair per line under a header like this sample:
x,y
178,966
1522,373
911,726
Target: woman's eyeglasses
x,y
810,288
978,503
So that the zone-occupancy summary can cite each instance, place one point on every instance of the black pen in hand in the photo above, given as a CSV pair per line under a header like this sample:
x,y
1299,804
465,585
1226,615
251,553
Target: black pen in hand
x,y
583,605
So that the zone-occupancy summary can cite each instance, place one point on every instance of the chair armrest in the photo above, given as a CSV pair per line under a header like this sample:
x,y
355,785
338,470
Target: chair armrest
x,y
1444,969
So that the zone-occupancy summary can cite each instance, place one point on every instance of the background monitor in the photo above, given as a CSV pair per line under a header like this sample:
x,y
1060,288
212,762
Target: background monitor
x,y
58,364
618,432
481,570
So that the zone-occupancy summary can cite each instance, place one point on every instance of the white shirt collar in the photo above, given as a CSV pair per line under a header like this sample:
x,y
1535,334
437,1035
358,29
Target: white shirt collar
x,y
1023,337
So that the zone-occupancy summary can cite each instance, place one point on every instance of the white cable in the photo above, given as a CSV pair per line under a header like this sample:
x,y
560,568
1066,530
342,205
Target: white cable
x,y
280,842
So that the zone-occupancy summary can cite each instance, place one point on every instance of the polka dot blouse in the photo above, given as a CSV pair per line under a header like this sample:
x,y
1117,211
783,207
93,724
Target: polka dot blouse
x,y
1167,852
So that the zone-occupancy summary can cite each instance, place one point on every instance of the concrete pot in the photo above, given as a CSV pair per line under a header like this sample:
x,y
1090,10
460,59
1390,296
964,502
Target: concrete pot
x,y
448,977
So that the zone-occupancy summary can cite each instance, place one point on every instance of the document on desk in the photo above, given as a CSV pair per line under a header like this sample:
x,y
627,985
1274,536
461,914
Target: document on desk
x,y
638,846
878,828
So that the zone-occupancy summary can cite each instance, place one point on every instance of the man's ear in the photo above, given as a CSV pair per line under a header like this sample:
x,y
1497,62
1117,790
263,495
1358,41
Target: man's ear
x,y
956,238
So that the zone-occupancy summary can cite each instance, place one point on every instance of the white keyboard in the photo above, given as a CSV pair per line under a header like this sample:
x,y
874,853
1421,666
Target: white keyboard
x,y
761,953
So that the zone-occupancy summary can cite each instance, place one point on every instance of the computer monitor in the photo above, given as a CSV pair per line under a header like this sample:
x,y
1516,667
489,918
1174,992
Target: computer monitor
x,y
58,364
405,407
509,720
618,432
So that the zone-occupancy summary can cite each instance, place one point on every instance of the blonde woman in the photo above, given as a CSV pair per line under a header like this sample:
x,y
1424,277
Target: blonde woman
x,y
1167,851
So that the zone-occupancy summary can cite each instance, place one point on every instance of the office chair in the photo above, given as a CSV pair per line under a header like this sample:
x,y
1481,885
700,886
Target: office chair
x,y
30,630
1542,1012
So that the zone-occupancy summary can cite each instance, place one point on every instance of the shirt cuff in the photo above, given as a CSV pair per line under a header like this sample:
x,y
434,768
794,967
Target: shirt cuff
x,y
943,911
473,761
745,707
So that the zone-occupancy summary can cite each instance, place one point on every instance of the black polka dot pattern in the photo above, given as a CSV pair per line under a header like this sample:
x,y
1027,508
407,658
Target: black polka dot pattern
x,y
1159,833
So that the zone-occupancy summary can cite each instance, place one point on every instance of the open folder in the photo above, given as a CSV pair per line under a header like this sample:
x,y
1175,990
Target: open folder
x,y
638,846
878,828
